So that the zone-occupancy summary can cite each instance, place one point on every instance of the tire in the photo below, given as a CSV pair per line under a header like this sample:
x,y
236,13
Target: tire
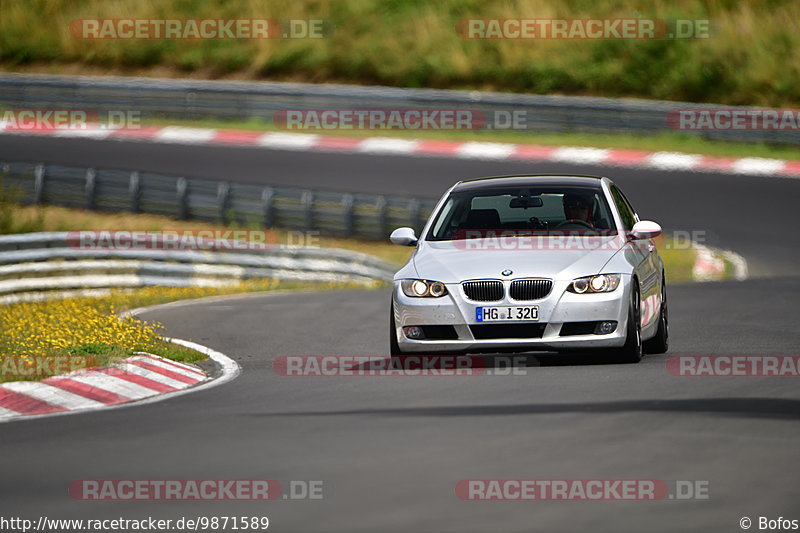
x,y
631,352
660,342
394,347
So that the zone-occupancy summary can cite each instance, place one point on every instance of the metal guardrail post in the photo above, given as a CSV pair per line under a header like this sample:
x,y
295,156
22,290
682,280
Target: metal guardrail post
x,y
223,200
383,222
90,188
38,184
182,189
267,207
348,205
134,192
414,211
308,209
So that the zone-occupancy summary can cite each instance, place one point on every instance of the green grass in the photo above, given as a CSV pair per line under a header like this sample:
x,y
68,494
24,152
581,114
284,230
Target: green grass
x,y
678,263
750,57
668,142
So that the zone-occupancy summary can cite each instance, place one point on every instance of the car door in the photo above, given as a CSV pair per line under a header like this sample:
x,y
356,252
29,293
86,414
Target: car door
x,y
649,270
640,253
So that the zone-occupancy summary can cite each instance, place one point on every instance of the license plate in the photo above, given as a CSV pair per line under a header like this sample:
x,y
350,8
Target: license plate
x,y
497,314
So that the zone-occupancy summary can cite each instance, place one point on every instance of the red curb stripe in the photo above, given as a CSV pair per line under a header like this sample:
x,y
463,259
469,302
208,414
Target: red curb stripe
x,y
135,133
790,168
164,372
716,163
176,365
533,152
24,404
438,147
87,391
138,380
627,157
336,143
243,137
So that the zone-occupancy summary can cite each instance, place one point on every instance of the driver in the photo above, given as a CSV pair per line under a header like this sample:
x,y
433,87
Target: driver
x,y
579,207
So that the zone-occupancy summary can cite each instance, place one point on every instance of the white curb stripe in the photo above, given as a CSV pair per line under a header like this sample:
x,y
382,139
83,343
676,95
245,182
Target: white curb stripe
x,y
166,366
674,160
570,154
149,374
179,134
757,165
52,395
288,141
87,133
119,386
7,413
740,270
186,366
479,150
170,363
386,145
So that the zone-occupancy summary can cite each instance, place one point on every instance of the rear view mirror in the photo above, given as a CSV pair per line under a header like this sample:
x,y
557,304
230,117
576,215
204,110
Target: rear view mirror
x,y
645,229
403,237
525,202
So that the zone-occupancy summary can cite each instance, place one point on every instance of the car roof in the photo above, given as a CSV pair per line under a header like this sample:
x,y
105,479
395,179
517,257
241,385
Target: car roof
x,y
528,179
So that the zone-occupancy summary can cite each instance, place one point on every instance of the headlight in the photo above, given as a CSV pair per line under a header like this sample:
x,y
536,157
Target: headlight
x,y
599,283
422,288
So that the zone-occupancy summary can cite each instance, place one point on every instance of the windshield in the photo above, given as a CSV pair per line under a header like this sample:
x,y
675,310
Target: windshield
x,y
470,214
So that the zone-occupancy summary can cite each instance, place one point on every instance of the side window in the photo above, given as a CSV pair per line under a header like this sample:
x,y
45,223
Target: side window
x,y
630,205
625,211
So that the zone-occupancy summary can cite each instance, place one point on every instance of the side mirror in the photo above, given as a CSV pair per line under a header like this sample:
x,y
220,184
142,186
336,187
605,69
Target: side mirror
x,y
645,229
404,237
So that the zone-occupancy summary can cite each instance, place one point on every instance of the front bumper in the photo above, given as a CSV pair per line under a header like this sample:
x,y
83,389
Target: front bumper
x,y
556,309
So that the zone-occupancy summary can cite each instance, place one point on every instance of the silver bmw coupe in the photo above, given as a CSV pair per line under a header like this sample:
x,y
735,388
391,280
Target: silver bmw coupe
x,y
531,263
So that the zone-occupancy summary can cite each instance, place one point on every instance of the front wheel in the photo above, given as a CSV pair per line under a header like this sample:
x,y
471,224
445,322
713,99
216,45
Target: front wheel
x,y
631,352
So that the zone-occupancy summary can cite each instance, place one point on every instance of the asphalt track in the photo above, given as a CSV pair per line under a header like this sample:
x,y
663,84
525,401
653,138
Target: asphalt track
x,y
391,450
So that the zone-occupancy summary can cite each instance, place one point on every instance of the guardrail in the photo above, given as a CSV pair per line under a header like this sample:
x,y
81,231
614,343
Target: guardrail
x,y
329,213
230,100
33,265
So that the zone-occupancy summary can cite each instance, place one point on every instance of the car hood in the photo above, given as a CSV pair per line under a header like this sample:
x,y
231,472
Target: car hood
x,y
452,262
